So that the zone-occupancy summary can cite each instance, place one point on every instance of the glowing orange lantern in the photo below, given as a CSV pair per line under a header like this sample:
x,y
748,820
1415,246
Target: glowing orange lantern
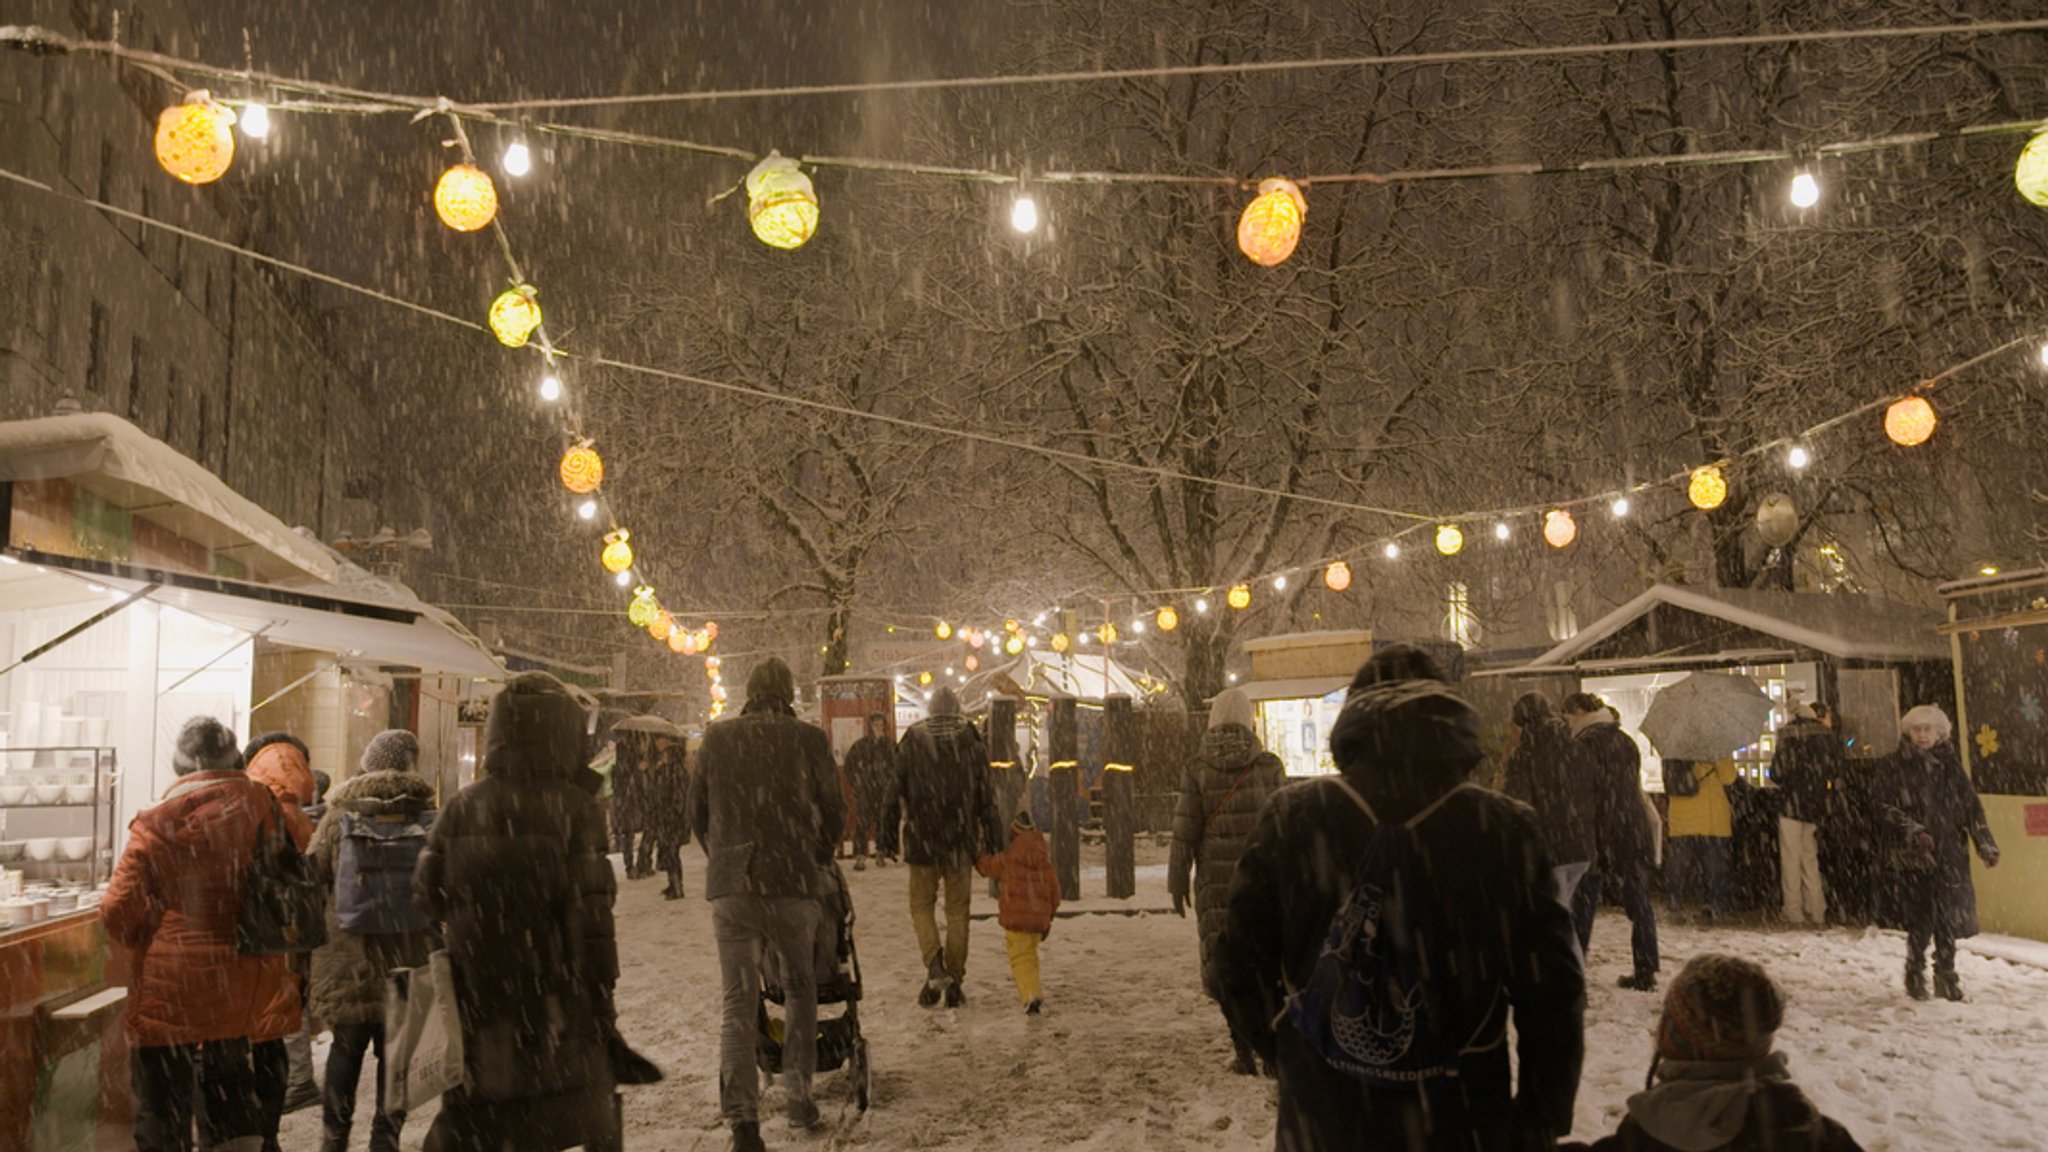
x,y
1167,619
1910,421
710,632
676,637
465,198
1059,642
973,661
582,469
1337,577
1271,224
618,554
195,141
1559,529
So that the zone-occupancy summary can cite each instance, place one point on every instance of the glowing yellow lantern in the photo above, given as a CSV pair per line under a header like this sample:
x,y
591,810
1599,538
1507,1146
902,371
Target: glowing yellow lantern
x,y
1910,421
582,469
1012,627
1271,224
1106,633
1559,529
781,205
195,141
618,554
1059,642
944,631
662,626
1707,489
1450,540
515,314
644,607
924,678
2030,175
1239,596
1167,619
676,636
1014,645
465,198
1337,577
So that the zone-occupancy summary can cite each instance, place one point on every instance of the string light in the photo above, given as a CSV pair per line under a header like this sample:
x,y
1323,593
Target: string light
x,y
1805,190
1138,626
1909,421
1337,577
1167,619
623,579
551,388
195,140
582,469
1392,551
1620,507
254,121
1239,596
1280,582
1201,606
618,551
782,207
1707,488
1270,226
518,161
1501,532
1450,540
1798,457
944,631
1559,529
2044,355
515,314
1024,214
587,510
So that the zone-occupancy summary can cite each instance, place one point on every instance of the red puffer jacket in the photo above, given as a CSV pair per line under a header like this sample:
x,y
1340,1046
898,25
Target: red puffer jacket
x,y
1029,888
173,902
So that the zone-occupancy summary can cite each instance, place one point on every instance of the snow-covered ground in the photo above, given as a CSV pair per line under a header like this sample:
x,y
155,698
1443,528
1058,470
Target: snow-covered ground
x,y
1131,1056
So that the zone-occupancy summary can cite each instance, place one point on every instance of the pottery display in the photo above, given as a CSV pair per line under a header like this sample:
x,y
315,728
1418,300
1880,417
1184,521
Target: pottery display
x,y
43,849
12,850
79,793
74,848
46,793
13,794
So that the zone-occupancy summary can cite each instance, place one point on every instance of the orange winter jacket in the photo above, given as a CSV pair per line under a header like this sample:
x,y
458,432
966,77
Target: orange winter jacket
x,y
282,768
1030,889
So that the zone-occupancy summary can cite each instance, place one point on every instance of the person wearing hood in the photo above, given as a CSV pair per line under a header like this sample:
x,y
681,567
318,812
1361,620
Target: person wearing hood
x,y
668,822
378,819
1404,749
280,762
1930,815
870,766
941,810
1715,1085
766,804
1624,829
1028,897
515,873
1543,773
1807,759
1221,793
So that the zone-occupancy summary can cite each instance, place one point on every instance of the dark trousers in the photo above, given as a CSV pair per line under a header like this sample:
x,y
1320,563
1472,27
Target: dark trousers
x,y
1698,858
867,825
273,1071
214,1085
344,1070
1585,903
1634,883
1925,898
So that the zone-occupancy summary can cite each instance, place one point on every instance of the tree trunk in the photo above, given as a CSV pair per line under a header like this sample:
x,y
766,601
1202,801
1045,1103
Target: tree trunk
x,y
1207,643
836,661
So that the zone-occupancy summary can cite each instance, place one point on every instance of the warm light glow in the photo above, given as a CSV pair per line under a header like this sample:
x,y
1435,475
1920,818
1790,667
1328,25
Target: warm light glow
x,y
1798,457
1167,619
976,638
582,469
1270,226
1392,551
1337,577
1138,626
1707,489
1201,606
1280,583
1106,633
1988,570
625,578
618,552
782,206
710,631
254,121
1024,214
2030,174
1450,539
1014,645
551,387
662,626
1559,529
1239,596
944,631
2044,355
195,141
518,161
973,662
1910,421
514,315
1805,190
1500,531
587,510
643,608
676,639
1620,507
465,199
924,678
1059,642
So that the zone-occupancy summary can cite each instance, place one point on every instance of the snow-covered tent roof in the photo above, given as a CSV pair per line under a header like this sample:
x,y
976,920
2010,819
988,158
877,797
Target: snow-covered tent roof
x,y
1842,626
1035,673
119,463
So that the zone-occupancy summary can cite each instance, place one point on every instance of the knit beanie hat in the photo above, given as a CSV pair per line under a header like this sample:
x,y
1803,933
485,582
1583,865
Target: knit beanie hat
x,y
1720,1008
392,750
1231,706
1023,822
205,745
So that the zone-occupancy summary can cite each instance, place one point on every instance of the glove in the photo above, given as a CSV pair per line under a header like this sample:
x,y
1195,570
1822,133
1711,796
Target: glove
x,y
1180,905
1047,934
1989,856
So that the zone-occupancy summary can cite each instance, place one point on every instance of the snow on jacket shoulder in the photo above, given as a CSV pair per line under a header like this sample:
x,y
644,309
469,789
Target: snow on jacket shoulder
x,y
349,971
766,804
941,807
1029,888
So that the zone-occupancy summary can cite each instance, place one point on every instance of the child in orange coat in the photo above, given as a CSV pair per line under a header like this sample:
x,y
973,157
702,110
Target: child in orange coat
x,y
1028,896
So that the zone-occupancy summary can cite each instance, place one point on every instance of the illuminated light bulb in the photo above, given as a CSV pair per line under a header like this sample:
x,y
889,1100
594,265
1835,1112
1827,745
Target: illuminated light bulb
x,y
1280,583
973,662
254,121
1059,642
1988,570
1239,597
465,199
662,626
1620,507
1559,529
944,631
195,141
1024,214
924,679
1798,457
644,607
1167,619
2044,355
1707,489
1909,422
1039,620
1805,190
517,161
1450,539
676,640
1337,577
782,207
2030,172
949,670
1138,626
1231,678
551,387
1392,551
625,578
587,510
1014,645
1270,226
1201,606
618,551
1500,531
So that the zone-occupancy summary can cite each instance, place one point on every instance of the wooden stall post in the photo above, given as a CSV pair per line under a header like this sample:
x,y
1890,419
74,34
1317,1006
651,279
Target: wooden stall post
x,y
1119,802
1063,783
1007,779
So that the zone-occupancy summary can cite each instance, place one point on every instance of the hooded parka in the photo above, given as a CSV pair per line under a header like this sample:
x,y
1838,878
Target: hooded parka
x,y
349,971
1221,793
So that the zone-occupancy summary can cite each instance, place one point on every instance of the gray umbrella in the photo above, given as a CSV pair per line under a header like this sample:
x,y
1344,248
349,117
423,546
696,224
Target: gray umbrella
x,y
652,725
1707,716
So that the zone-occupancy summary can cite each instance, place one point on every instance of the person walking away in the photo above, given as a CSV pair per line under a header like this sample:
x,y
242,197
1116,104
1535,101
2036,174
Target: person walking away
x,y
365,850
1702,832
279,761
1931,816
1808,757
1496,939
767,806
1625,834
1542,772
1221,793
632,772
515,873
195,1000
870,766
1715,1084
941,809
1028,897
668,824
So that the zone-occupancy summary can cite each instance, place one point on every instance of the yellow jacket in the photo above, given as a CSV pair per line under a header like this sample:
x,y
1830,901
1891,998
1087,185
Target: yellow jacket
x,y
1706,814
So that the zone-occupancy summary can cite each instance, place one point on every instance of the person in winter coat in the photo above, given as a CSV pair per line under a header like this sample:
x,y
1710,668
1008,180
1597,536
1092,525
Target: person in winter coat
x,y
1543,773
349,971
870,766
632,791
1715,1084
766,805
1808,758
1028,897
941,809
1931,815
1702,840
668,817
194,1001
515,873
279,761
1404,747
1221,793
1627,838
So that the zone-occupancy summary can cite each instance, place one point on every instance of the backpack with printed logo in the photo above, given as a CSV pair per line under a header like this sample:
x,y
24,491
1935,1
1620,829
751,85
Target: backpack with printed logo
x,y
373,874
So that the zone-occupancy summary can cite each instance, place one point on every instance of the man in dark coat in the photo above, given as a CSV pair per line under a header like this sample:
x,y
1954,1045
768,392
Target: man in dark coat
x,y
1930,816
870,766
765,803
1809,755
941,808
668,808
1401,747
515,871
632,788
1612,767
1543,773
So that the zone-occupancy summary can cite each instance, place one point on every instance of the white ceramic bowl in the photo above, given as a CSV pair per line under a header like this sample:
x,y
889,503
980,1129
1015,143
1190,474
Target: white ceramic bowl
x,y
79,793
12,794
43,849
15,913
74,848
46,793
12,850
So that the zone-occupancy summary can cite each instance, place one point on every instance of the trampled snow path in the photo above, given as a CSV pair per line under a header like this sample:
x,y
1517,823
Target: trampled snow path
x,y
1131,1056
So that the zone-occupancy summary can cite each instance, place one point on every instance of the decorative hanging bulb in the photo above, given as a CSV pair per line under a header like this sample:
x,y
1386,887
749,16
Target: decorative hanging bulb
x,y
644,607
782,207
624,579
1337,577
1707,489
551,388
195,141
1559,529
924,679
676,639
711,666
1014,645
662,626
254,121
465,199
1450,539
1909,422
1024,214
1106,633
703,638
518,160
1280,583
944,631
1777,520
1060,642
972,662
1392,551
1239,596
618,553
582,469
1201,606
1500,531
976,638
1805,190
2030,174
691,648
1798,457
1167,619
710,632
1270,226
587,510
1013,627
1620,507
515,314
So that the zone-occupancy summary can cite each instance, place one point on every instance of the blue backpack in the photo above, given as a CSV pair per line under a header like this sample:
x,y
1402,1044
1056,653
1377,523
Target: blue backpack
x,y
373,874
1366,1008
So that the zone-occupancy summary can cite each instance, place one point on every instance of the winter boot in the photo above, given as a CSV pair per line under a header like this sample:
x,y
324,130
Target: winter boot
x,y
1640,982
1916,982
1947,986
935,982
301,1095
1035,1007
955,996
746,1137
860,864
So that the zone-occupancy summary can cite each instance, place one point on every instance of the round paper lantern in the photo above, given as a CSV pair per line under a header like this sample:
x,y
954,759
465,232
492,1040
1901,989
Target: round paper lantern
x,y
1707,489
703,639
781,205
515,314
1337,577
1106,633
676,636
1559,529
1014,645
618,554
1239,596
644,607
710,632
1910,421
1013,626
924,677
465,199
662,626
1777,520
976,638
1450,539
582,469
690,647
1270,226
1059,642
1167,619
973,662
944,631
195,141
718,693
2030,175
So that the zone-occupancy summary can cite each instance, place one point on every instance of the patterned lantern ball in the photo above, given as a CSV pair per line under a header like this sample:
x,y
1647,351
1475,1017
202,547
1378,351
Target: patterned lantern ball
x,y
644,607
1060,641
2030,175
1271,224
675,641
1106,633
582,470
1239,596
1559,529
1450,539
690,647
1337,577
1707,489
1013,626
1167,619
1910,421
662,626
514,315
195,141
782,206
618,553
465,198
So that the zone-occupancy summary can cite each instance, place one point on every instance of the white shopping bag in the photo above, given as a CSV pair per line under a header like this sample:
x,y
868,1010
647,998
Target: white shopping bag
x,y
423,1054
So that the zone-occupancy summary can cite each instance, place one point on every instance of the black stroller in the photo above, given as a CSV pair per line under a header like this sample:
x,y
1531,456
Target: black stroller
x,y
840,1043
